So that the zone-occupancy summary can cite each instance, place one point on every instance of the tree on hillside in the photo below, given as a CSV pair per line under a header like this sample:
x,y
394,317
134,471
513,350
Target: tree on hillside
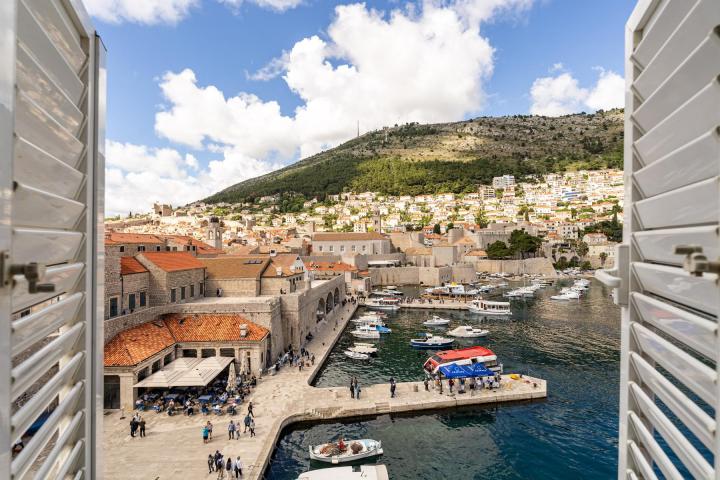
x,y
436,229
497,250
581,248
481,220
522,243
603,258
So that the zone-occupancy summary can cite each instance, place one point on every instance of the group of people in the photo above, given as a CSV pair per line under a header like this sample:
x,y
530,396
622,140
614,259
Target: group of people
x,y
299,359
479,383
217,463
233,428
137,426
355,388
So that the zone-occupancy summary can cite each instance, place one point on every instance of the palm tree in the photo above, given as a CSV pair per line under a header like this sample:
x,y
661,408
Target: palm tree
x,y
603,257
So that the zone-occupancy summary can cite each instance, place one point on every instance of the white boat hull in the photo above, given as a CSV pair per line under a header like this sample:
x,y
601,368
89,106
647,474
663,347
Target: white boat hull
x,y
371,448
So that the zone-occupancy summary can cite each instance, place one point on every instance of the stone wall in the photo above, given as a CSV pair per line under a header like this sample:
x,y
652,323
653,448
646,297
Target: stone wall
x,y
185,278
113,287
535,266
434,275
464,273
237,287
135,283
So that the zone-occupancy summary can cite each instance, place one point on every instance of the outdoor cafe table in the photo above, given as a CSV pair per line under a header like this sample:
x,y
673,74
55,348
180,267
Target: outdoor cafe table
x,y
205,398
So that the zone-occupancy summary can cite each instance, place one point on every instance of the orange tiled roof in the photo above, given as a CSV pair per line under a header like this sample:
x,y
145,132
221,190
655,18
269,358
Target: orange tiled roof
x,y
349,236
139,238
130,265
139,343
211,327
476,253
172,261
330,266
282,261
235,266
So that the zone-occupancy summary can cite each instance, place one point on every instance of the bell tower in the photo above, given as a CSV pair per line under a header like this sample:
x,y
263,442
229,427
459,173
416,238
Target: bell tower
x,y
215,232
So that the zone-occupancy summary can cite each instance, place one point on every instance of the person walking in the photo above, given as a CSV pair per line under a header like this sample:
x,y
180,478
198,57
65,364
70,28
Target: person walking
x,y
246,422
451,382
250,409
220,467
141,424
237,465
133,427
252,428
352,388
210,429
205,434
426,383
357,390
229,467
231,430
211,463
392,387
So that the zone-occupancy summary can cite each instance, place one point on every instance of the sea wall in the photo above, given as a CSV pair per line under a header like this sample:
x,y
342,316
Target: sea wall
x,y
533,266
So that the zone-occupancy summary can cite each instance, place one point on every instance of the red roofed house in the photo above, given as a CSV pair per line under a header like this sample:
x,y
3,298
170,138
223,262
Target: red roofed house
x,y
137,353
134,286
175,277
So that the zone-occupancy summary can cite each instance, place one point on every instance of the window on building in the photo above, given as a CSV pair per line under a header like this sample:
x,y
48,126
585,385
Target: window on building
x,y
182,293
113,307
173,296
331,248
141,248
190,353
320,248
157,249
155,366
354,248
131,301
202,288
122,248
364,247
208,352
192,291
143,300
227,352
168,358
342,248
249,363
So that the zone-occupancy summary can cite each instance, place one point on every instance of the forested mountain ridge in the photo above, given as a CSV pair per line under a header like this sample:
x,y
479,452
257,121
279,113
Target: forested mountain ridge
x,y
414,159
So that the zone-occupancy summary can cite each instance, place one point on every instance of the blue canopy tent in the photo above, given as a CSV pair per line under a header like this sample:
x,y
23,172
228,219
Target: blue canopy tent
x,y
465,371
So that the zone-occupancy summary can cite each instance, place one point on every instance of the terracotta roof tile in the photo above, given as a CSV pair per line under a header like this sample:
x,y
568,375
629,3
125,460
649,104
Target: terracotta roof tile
x,y
171,261
139,238
231,266
133,346
139,343
130,265
282,261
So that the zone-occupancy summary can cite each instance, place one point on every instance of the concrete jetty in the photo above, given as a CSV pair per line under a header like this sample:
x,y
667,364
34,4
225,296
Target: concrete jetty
x,y
174,447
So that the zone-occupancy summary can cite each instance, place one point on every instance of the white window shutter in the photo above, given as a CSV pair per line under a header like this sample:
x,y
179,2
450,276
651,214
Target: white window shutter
x,y
666,276
52,111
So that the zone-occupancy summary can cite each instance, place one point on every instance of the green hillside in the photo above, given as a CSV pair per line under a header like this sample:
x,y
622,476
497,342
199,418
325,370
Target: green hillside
x,y
455,157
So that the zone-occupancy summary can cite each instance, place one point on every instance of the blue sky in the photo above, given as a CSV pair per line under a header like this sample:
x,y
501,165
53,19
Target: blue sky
x,y
193,62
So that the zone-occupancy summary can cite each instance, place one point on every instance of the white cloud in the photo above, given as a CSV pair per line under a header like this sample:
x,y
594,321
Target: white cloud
x,y
136,176
148,12
562,94
557,67
273,69
277,5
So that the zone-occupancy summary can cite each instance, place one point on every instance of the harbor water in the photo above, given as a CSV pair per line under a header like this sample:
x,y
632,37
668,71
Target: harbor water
x,y
572,434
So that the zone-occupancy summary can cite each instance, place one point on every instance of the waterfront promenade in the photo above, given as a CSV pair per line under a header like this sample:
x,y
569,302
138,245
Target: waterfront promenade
x,y
173,447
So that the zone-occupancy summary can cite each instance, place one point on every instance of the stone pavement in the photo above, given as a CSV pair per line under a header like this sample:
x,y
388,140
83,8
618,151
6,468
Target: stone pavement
x,y
174,447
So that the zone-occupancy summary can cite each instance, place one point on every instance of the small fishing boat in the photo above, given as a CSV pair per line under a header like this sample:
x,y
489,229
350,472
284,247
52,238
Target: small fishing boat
x,y
468,331
342,452
463,356
366,348
431,341
436,321
487,307
356,355
363,331
358,472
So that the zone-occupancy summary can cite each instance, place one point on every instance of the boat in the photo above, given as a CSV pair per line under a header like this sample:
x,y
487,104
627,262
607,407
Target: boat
x,y
356,355
363,331
451,289
468,331
368,319
487,307
382,328
386,293
570,295
436,321
463,356
366,348
517,293
383,303
431,341
358,472
342,452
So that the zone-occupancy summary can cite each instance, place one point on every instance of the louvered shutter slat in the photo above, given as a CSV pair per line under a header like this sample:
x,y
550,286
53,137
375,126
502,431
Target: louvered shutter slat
x,y
657,245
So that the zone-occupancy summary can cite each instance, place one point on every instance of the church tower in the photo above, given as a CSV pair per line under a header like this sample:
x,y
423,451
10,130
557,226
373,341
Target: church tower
x,y
215,232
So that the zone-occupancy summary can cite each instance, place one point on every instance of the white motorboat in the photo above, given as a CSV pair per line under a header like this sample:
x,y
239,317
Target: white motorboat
x,y
358,472
518,293
383,303
486,307
468,331
342,452
436,321
431,341
365,348
570,295
363,331
356,355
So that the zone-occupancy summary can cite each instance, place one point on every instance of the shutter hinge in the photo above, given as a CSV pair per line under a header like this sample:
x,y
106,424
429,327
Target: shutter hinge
x,y
696,263
33,273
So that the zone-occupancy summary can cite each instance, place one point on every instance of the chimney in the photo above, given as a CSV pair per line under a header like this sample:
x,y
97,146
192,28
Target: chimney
x,y
278,270
273,252
243,330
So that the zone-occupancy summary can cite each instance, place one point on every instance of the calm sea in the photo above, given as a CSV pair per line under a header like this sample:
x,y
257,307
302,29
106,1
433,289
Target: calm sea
x,y
570,435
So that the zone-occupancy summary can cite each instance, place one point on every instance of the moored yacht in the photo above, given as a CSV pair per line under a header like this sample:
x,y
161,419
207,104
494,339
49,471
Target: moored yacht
x,y
358,472
468,331
487,307
383,303
436,321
